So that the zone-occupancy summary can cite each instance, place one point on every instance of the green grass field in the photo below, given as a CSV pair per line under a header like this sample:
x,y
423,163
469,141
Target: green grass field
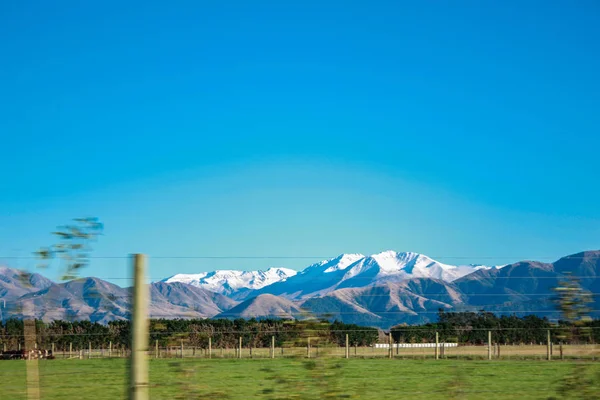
x,y
296,379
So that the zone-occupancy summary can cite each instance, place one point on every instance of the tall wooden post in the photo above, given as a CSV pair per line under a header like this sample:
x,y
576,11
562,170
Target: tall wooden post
x,y
89,350
209,347
489,345
110,349
561,351
4,347
437,345
347,347
240,349
391,352
548,354
32,367
70,349
52,348
156,355
272,346
138,387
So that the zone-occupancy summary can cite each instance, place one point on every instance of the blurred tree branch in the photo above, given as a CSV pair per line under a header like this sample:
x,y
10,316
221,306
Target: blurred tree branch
x,y
73,247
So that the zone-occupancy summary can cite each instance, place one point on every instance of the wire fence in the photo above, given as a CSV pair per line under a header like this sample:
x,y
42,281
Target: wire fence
x,y
248,344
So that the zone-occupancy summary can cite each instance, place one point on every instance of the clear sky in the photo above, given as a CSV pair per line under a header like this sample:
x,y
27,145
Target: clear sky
x,y
467,131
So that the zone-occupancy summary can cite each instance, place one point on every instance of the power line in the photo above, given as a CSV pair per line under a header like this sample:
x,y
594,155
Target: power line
x,y
264,257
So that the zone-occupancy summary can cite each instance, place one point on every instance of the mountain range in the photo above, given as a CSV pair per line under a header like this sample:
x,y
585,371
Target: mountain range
x,y
379,290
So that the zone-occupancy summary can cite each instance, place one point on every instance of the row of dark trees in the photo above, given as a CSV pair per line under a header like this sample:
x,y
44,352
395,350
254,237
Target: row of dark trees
x,y
456,327
224,333
473,328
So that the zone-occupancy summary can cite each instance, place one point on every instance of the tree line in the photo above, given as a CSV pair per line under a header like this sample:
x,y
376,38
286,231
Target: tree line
x,y
453,327
473,327
224,333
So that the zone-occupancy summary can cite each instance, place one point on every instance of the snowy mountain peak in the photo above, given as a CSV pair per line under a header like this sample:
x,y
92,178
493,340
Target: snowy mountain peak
x,y
338,263
346,270
230,281
392,261
276,272
394,266
342,261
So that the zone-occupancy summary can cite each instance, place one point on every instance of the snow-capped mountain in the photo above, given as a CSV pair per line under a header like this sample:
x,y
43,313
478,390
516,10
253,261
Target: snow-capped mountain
x,y
357,270
379,290
393,266
343,271
341,262
317,278
231,282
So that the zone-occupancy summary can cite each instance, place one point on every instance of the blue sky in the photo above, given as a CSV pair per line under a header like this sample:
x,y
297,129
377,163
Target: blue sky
x,y
468,132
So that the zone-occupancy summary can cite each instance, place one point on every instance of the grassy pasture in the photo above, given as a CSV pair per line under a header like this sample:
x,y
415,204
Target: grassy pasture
x,y
290,378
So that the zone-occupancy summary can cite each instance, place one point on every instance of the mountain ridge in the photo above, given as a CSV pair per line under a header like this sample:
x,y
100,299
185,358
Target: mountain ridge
x,y
394,288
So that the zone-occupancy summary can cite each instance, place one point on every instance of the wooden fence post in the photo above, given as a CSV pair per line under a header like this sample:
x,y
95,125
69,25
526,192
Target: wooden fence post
x,y
561,351
391,346
489,345
156,355
548,354
110,349
209,347
32,373
89,350
437,345
240,350
138,386
347,348
272,346
53,349
70,349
